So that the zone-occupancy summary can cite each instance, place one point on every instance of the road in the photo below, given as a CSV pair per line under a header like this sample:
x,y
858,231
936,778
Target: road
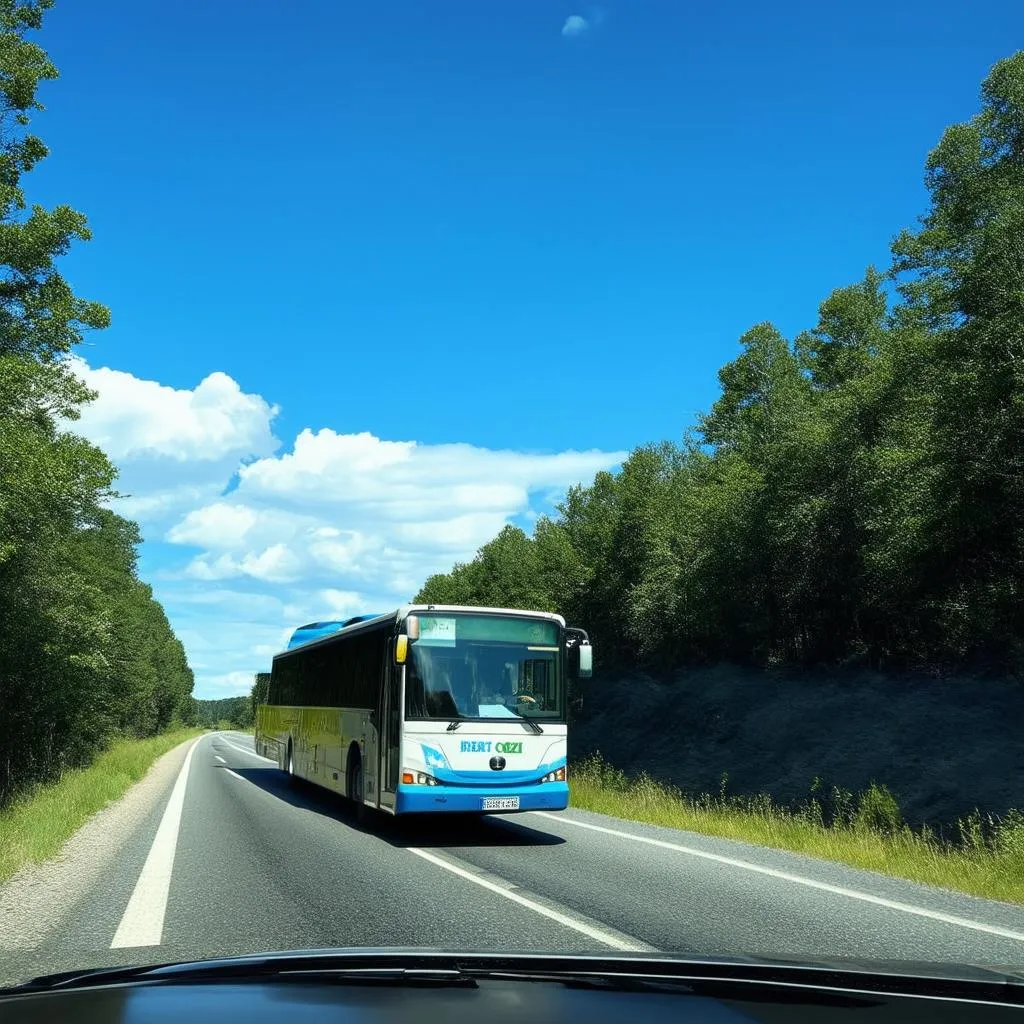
x,y
232,859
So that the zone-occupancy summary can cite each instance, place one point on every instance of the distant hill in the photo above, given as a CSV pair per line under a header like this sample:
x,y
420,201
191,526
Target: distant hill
x,y
234,711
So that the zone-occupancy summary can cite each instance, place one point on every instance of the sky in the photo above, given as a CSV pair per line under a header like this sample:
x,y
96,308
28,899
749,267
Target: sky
x,y
385,277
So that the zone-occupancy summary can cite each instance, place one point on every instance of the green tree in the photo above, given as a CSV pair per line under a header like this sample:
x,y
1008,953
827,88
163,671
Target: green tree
x,y
856,493
962,276
40,316
85,651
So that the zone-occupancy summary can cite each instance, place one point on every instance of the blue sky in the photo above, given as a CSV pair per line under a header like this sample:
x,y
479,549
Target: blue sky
x,y
419,267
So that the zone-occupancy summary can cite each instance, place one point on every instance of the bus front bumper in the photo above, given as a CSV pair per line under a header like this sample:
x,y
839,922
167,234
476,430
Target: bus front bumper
x,y
545,796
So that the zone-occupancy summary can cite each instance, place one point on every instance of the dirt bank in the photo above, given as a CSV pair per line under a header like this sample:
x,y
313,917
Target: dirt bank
x,y
944,747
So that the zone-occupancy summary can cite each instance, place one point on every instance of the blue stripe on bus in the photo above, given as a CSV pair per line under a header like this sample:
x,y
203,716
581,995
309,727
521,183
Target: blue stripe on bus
x,y
549,796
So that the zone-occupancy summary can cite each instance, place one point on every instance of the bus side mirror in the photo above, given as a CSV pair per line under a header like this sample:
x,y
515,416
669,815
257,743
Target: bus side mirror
x,y
401,649
586,662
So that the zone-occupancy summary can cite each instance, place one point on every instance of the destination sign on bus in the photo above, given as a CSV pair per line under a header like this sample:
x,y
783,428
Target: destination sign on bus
x,y
447,630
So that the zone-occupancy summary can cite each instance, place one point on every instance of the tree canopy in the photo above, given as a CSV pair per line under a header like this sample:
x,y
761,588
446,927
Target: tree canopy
x,y
85,650
855,492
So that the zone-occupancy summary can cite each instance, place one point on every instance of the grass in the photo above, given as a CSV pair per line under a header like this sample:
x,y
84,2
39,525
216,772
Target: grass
x,y
985,857
34,828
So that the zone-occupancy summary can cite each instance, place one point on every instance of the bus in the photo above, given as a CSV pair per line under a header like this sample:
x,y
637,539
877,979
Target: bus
x,y
428,709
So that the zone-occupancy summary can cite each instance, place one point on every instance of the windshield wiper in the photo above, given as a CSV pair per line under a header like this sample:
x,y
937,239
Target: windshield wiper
x,y
453,725
531,726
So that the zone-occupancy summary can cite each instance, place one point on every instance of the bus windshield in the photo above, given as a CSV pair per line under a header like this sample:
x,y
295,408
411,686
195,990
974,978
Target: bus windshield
x,y
484,667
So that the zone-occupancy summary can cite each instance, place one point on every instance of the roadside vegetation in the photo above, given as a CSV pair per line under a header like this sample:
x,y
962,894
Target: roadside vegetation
x,y
35,826
86,654
982,856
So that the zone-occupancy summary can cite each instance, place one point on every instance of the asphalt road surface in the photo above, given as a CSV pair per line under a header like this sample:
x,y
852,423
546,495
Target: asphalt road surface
x,y
232,859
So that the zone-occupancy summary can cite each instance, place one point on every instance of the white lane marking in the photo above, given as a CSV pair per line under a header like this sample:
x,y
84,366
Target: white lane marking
x,y
143,920
786,876
236,775
564,919
242,750
219,758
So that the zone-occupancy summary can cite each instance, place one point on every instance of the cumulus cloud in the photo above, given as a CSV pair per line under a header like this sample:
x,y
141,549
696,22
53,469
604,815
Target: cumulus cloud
x,y
575,25
133,417
333,525
372,511
175,448
229,684
400,479
220,523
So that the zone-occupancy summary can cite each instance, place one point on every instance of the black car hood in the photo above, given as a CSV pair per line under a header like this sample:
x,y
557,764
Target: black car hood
x,y
427,959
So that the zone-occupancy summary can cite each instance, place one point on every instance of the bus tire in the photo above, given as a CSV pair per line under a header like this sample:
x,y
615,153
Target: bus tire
x,y
289,764
355,784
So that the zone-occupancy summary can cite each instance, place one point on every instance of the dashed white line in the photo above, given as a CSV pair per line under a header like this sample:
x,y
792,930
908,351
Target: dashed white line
x,y
219,758
236,775
591,931
242,750
143,920
786,876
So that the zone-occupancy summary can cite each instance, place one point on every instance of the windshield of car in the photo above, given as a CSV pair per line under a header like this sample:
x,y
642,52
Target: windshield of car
x,y
529,476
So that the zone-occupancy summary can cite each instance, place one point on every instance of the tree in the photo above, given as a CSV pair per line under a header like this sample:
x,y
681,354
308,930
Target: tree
x,y
856,493
40,316
85,651
962,276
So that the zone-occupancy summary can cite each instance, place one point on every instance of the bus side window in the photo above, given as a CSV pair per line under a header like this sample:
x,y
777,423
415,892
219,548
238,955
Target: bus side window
x,y
367,672
283,672
334,691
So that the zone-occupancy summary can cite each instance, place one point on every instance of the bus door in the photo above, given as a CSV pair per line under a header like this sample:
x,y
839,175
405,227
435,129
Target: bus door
x,y
391,732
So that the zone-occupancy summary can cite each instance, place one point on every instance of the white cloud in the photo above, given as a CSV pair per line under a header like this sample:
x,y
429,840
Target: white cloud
x,y
229,684
220,523
372,512
332,526
274,564
340,602
575,25
403,478
451,534
133,417
176,449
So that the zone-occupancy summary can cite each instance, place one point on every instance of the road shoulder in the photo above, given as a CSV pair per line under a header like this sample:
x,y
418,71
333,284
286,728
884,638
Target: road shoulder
x,y
39,898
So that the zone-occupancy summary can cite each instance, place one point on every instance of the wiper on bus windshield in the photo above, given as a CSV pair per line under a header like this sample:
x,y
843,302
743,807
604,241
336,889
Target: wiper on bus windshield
x,y
453,725
531,726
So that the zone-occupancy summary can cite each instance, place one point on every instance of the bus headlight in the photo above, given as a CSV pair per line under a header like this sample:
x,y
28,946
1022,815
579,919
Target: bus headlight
x,y
555,776
411,778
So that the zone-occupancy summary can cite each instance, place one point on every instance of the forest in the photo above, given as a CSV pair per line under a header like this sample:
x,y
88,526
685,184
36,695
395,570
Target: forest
x,y
856,494
86,653
227,713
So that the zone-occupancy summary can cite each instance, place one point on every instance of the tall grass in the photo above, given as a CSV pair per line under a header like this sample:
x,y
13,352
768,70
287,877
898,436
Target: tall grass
x,y
35,827
985,856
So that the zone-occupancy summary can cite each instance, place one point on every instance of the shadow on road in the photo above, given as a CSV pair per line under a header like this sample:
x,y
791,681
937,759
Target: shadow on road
x,y
426,830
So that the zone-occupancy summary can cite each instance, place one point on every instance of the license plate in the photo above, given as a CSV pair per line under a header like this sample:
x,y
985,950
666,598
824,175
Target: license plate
x,y
501,803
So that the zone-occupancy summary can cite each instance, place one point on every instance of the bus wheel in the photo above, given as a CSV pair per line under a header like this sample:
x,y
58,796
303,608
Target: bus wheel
x,y
356,788
290,762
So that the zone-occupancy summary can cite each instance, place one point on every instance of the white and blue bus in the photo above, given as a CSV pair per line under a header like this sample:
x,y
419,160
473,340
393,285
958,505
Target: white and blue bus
x,y
429,708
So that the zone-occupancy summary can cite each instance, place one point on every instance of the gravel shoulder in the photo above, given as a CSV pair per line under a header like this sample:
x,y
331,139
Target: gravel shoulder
x,y
37,900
